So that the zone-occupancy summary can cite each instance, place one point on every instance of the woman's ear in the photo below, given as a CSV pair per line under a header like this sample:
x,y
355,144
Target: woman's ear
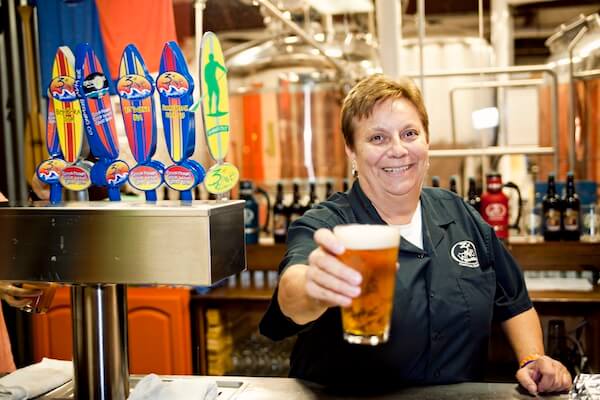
x,y
350,153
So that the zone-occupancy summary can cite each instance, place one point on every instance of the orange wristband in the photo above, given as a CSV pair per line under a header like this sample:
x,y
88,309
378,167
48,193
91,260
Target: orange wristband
x,y
529,359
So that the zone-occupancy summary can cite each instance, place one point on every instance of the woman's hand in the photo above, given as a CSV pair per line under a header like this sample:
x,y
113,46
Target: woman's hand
x,y
329,281
16,296
41,189
544,375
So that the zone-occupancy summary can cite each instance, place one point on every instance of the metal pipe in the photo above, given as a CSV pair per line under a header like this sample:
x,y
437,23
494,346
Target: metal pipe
x,y
9,166
274,11
389,35
19,115
483,85
492,151
573,99
199,6
99,314
590,74
495,84
515,70
421,15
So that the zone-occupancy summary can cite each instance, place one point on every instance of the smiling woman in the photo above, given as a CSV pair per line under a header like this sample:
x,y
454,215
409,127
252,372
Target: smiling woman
x,y
454,275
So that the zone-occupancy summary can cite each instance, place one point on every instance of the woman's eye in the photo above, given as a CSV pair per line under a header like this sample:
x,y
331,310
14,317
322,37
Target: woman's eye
x,y
410,133
376,139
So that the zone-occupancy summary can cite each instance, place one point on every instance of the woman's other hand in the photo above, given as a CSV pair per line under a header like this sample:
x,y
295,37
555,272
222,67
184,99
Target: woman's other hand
x,y
16,296
41,189
544,375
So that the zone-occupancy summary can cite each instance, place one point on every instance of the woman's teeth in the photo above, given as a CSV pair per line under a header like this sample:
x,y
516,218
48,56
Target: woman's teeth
x,y
395,170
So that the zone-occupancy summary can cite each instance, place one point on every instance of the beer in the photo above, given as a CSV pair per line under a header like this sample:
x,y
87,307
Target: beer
x,y
473,197
295,209
571,204
454,184
280,217
552,212
372,250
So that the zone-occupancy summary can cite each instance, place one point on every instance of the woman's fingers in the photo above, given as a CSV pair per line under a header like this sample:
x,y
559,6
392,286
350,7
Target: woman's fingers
x,y
333,266
327,240
16,302
16,291
328,280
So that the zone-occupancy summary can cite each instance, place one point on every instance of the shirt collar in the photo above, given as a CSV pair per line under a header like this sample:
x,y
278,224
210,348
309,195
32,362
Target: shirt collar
x,y
436,216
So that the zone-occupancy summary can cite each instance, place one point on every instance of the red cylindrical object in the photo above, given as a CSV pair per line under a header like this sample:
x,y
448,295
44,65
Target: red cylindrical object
x,y
494,205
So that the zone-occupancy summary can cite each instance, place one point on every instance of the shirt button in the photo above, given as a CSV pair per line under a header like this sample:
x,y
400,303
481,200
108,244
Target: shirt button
x,y
432,295
436,374
420,255
436,335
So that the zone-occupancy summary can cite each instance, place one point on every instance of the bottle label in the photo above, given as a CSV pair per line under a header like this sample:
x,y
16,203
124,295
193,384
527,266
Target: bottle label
x,y
279,224
552,220
495,211
571,219
250,226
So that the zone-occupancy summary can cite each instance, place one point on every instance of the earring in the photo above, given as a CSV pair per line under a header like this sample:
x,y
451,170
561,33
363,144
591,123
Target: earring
x,y
354,170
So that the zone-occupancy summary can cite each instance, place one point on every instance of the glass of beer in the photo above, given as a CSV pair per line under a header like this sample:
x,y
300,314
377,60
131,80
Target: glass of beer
x,y
372,250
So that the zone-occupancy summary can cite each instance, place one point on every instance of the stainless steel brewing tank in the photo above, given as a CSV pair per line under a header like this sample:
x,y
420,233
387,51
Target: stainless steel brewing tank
x,y
168,242
285,102
583,35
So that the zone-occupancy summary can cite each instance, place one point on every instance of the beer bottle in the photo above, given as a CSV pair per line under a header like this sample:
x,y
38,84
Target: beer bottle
x,y
435,181
295,210
280,216
571,224
453,185
552,212
472,196
312,197
557,344
250,212
328,190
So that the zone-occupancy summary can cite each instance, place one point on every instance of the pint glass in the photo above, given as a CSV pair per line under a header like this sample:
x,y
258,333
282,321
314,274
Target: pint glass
x,y
372,250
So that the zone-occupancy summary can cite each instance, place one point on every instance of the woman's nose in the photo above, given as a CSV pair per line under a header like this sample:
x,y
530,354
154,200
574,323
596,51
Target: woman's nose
x,y
397,148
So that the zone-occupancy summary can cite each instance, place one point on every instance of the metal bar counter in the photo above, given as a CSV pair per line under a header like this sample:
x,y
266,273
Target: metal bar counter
x,y
250,388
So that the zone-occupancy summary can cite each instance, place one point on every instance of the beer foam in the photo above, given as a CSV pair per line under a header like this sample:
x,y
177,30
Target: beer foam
x,y
367,237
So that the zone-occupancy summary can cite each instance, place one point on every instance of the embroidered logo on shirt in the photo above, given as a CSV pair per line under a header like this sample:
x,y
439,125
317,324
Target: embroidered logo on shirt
x,y
464,254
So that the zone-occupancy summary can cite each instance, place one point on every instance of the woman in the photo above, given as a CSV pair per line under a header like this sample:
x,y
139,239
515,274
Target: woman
x,y
443,308
16,297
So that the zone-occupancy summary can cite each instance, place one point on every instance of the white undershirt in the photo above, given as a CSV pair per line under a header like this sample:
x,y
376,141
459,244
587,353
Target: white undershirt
x,y
413,231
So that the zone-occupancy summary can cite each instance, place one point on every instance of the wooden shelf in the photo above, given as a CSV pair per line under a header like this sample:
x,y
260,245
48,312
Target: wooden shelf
x,y
557,296
575,256
236,294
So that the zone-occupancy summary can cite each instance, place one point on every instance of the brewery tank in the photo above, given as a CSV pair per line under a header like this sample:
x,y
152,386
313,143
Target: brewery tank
x,y
579,130
285,99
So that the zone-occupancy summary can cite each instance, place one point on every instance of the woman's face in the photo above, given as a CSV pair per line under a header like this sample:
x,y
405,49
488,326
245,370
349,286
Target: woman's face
x,y
391,150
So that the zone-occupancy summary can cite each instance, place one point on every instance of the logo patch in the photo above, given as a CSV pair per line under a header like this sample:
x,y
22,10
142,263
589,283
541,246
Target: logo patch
x,y
464,254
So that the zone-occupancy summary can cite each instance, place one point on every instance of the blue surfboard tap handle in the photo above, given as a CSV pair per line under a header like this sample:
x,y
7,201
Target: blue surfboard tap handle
x,y
55,193
151,196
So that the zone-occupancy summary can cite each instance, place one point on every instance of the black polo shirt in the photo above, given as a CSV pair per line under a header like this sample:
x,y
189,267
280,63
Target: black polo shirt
x,y
445,298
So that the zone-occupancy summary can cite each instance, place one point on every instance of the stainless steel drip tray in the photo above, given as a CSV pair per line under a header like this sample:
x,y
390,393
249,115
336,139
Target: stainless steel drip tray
x,y
169,242
227,389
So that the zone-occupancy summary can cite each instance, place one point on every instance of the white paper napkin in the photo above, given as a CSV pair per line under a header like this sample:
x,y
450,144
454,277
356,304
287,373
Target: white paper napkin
x,y
35,379
151,387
